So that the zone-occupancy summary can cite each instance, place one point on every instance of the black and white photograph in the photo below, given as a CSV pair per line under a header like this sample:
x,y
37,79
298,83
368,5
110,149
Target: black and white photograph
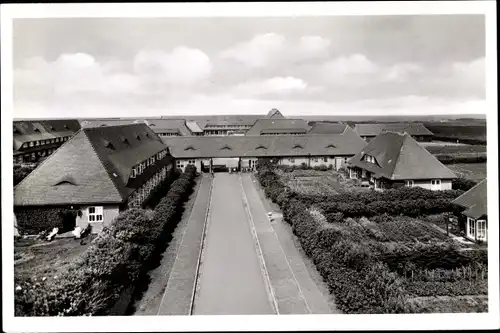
x,y
214,166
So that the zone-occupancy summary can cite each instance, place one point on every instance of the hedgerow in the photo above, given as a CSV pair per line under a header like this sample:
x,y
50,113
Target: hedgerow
x,y
362,266
115,261
33,220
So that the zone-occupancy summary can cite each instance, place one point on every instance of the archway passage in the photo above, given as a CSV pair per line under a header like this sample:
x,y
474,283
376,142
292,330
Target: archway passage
x,y
229,164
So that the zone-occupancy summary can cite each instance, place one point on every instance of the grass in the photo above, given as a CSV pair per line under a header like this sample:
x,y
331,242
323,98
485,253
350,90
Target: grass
x,y
39,257
454,148
459,131
472,171
447,304
310,182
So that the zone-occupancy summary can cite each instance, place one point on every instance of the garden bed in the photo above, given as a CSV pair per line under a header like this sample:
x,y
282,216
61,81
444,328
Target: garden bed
x,y
375,263
34,257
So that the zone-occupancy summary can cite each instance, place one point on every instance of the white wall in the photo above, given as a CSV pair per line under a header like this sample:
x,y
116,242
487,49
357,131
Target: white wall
x,y
245,161
109,214
297,161
445,184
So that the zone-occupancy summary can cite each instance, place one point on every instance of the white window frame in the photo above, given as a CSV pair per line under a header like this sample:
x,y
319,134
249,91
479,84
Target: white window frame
x,y
134,173
436,184
97,215
471,227
409,183
481,229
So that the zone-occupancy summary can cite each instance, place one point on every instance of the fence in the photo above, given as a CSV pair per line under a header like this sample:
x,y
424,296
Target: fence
x,y
465,273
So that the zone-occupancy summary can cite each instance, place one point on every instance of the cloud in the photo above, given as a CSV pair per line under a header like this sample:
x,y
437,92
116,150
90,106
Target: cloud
x,y
402,72
271,49
276,86
152,72
183,66
355,64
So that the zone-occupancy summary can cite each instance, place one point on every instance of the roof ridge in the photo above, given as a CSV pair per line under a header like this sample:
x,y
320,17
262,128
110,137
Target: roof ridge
x,y
45,160
104,167
399,152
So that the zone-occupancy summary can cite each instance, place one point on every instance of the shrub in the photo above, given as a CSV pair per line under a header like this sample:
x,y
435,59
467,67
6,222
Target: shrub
x,y
360,283
21,171
462,184
115,261
33,220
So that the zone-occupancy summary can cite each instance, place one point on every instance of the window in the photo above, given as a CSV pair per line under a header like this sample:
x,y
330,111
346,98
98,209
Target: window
x,y
95,214
37,143
291,160
409,183
472,227
315,159
436,184
134,173
325,159
481,229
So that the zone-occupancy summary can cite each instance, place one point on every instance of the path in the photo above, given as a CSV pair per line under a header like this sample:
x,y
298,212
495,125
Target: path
x,y
293,288
177,298
231,279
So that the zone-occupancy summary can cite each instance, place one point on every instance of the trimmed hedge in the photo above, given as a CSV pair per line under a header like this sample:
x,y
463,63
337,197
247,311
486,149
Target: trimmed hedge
x,y
360,283
115,261
33,220
365,274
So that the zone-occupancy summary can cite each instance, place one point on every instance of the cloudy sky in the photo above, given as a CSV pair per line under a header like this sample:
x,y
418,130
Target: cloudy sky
x,y
316,66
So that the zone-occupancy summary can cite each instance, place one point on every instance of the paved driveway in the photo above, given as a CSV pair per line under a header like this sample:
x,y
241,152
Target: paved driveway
x,y
231,280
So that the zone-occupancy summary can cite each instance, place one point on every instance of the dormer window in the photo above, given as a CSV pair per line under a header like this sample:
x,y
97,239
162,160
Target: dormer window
x,y
189,148
331,146
225,147
16,130
107,144
66,126
369,159
37,129
123,139
261,147
297,147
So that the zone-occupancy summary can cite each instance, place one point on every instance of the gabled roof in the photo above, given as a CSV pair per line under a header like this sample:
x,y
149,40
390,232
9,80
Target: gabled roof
x,y
194,127
474,200
272,125
327,128
262,146
92,167
376,129
202,121
35,130
158,125
275,114
399,157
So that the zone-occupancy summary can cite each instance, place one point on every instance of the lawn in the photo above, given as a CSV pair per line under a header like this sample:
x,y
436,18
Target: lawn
x,y
446,148
35,257
466,132
472,171
313,182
